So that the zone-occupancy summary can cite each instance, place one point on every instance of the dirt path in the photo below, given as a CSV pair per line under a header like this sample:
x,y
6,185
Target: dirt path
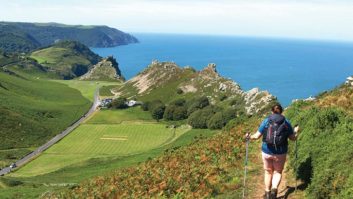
x,y
256,181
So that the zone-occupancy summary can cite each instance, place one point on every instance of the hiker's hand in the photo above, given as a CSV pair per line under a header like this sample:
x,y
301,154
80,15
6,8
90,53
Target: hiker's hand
x,y
296,129
247,136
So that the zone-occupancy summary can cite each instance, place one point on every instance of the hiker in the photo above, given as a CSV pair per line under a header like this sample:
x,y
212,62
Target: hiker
x,y
275,131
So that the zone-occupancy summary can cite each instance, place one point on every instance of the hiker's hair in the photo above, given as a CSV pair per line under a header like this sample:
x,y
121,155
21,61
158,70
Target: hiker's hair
x,y
277,108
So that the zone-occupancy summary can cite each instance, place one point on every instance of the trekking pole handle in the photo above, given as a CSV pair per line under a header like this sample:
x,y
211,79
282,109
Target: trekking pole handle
x,y
248,136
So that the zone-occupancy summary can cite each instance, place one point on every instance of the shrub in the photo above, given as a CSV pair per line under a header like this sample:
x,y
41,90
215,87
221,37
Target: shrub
x,y
216,121
324,150
220,119
180,113
168,113
199,118
196,104
157,111
173,112
119,103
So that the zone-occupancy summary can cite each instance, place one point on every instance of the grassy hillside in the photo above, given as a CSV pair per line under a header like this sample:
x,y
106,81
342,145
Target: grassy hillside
x,y
68,59
24,37
32,111
325,147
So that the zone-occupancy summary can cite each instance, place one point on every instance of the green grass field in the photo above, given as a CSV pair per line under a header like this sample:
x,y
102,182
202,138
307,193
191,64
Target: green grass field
x,y
95,141
105,90
106,116
87,88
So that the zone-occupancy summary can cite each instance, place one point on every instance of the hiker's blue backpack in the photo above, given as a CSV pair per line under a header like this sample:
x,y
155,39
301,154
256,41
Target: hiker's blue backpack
x,y
277,131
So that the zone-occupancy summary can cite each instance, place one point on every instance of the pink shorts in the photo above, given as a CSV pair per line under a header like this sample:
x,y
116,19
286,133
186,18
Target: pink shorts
x,y
274,162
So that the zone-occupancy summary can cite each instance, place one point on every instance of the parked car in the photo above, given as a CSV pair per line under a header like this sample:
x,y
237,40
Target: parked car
x,y
13,165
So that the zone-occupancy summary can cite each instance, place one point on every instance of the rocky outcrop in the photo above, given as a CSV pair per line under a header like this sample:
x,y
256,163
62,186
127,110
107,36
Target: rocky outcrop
x,y
107,69
256,100
154,76
206,82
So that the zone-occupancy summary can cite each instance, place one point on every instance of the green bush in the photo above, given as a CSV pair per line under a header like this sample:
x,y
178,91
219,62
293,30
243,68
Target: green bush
x,y
158,112
175,113
220,119
197,103
325,150
200,118
180,113
168,113
119,103
216,121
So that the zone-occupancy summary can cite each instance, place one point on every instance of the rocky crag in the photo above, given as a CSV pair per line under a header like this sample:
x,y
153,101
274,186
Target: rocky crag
x,y
172,81
107,69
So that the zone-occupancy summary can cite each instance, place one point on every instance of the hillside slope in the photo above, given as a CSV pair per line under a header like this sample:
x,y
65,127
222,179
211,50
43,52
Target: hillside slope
x,y
33,110
107,69
167,81
68,59
325,148
24,37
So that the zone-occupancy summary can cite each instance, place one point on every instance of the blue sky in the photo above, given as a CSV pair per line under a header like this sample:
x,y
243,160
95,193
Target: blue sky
x,y
318,19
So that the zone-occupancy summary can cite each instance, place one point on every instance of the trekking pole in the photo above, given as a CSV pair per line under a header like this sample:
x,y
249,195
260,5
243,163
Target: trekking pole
x,y
296,167
246,165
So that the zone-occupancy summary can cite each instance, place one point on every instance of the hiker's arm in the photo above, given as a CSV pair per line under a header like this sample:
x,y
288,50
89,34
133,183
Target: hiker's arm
x,y
295,135
254,136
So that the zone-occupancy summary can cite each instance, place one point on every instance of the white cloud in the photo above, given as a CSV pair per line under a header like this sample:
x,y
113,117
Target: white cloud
x,y
287,18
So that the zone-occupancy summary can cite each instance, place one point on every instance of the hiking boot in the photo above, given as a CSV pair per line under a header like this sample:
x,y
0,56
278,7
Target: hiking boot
x,y
267,195
273,193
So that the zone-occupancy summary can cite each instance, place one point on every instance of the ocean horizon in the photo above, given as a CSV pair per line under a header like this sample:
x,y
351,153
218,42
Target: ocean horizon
x,y
287,68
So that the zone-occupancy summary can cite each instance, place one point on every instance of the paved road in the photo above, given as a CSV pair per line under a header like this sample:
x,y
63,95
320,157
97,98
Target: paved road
x,y
55,139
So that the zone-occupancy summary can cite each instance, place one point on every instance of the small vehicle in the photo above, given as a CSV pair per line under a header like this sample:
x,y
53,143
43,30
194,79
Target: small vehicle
x,y
13,165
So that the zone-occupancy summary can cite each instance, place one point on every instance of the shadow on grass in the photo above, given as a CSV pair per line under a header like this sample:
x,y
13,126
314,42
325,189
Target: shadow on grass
x,y
290,191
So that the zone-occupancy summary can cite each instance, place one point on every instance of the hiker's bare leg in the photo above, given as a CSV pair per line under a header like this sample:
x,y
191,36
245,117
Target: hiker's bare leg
x,y
268,179
276,179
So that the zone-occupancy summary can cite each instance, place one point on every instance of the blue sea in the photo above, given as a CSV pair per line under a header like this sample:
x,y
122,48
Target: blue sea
x,y
289,69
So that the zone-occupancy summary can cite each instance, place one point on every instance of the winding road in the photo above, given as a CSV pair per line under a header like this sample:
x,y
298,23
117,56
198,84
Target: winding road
x,y
55,139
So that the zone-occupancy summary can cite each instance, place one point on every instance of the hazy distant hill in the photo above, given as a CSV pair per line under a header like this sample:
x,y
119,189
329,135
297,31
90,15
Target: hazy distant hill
x,y
14,39
23,37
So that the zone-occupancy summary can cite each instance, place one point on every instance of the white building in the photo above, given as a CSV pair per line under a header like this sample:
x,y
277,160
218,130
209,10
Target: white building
x,y
349,80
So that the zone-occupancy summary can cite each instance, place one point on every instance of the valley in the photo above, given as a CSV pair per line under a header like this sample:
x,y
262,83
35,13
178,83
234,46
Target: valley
x,y
169,131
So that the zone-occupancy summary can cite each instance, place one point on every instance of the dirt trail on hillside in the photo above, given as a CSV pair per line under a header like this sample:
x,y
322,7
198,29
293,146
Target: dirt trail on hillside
x,y
256,179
